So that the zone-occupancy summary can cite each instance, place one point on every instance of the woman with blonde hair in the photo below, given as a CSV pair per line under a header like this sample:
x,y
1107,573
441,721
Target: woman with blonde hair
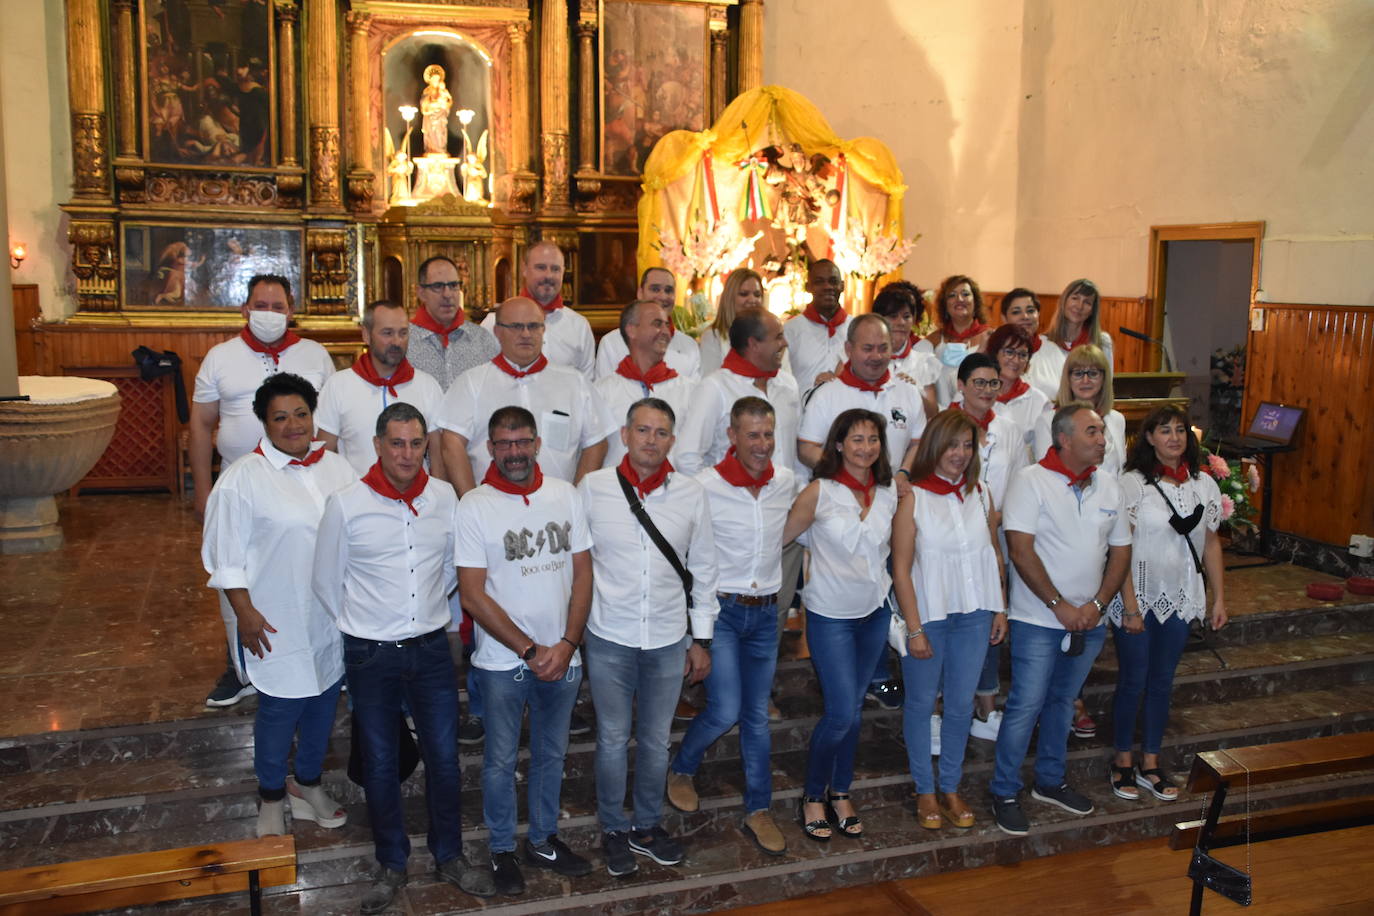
x,y
1077,321
743,289
1087,377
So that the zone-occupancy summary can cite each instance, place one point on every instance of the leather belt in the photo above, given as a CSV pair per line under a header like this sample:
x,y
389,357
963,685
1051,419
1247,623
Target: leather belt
x,y
750,600
409,641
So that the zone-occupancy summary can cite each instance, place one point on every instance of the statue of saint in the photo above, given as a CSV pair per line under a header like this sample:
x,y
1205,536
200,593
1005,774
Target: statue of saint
x,y
400,168
435,105
474,169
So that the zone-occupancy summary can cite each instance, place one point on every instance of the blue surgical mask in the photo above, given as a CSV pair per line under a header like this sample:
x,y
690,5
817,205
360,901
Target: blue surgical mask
x,y
953,354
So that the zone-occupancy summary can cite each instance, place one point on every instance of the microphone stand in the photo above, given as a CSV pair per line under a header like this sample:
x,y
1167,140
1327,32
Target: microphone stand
x,y
1163,346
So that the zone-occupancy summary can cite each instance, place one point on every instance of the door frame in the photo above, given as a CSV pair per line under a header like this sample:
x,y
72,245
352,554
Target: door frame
x,y
1160,236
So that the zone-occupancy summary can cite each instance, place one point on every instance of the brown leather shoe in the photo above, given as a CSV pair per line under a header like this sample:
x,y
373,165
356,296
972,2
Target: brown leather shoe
x,y
927,811
685,711
774,714
682,794
955,810
760,828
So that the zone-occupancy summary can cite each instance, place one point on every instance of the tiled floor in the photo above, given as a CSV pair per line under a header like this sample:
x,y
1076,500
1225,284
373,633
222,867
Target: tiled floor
x,y
117,627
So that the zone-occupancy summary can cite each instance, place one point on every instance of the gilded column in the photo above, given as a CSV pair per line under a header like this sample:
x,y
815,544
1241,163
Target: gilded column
x,y
750,45
361,179
126,95
322,103
86,91
586,98
523,183
553,102
719,37
288,99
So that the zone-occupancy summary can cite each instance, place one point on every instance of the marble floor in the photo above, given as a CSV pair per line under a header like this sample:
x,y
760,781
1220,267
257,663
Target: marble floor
x,y
118,628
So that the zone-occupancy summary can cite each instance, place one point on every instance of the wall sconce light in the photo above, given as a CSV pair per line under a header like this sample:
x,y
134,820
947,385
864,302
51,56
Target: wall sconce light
x,y
17,255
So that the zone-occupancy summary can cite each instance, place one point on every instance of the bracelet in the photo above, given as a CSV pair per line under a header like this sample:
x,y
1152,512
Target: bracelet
x,y
1130,614
569,642
919,631
903,471
1101,608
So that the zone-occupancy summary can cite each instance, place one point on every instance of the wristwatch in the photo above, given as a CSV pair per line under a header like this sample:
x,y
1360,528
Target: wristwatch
x,y
528,653
1053,601
704,643
1101,608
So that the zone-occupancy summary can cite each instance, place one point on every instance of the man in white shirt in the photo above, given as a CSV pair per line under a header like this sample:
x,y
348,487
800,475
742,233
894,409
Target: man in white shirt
x,y
645,330
815,338
683,355
380,376
573,420
222,414
639,644
384,565
442,341
1070,548
568,339
749,501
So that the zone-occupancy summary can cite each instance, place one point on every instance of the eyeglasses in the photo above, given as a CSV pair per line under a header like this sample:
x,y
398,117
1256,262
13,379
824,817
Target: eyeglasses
x,y
1015,354
986,384
505,445
447,287
521,326
1079,374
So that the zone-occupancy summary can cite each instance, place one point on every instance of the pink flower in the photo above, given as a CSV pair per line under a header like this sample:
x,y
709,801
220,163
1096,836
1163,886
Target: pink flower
x,y
1252,477
1218,467
1228,507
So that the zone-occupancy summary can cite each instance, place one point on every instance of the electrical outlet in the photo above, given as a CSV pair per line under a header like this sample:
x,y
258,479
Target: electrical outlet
x,y
1361,545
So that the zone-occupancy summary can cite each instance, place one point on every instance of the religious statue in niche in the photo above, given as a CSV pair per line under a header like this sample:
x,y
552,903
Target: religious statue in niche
x,y
435,104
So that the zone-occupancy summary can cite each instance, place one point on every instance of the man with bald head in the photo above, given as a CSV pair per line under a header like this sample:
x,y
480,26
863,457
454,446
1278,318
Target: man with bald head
x,y
657,284
568,339
572,420
816,337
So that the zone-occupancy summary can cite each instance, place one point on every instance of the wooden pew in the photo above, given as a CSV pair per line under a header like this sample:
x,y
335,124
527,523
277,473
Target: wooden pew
x,y
151,877
1222,771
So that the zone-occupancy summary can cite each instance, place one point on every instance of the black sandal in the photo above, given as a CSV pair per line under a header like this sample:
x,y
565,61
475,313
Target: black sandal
x,y
1142,779
1122,780
810,828
846,825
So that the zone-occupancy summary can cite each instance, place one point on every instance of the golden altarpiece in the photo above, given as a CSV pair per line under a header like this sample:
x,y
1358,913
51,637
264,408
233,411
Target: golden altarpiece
x,y
334,143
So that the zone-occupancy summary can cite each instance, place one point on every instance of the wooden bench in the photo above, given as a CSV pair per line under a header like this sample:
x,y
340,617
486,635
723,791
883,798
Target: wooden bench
x,y
151,877
1220,772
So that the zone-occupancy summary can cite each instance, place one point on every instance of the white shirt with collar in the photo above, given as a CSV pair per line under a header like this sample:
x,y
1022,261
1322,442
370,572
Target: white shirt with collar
x,y
849,577
619,392
382,572
1073,529
570,414
568,339
701,437
683,355
899,402
349,406
527,552
813,349
637,596
231,374
748,530
260,527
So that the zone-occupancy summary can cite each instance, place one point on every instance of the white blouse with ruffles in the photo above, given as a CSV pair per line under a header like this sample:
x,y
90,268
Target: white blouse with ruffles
x,y
849,577
955,569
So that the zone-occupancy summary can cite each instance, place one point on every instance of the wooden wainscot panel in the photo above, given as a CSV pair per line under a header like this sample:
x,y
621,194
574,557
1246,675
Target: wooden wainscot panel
x,y
1321,358
1128,354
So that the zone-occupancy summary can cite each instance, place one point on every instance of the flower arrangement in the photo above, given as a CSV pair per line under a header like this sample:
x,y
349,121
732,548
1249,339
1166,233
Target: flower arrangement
x,y
706,252
1237,480
870,258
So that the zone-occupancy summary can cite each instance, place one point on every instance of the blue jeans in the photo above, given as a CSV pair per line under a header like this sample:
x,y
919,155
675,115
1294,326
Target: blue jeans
x,y
380,676
278,720
639,686
1044,683
843,652
507,694
1145,665
744,655
959,643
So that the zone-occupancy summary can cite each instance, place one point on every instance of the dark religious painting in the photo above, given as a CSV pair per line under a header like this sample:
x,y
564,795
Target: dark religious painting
x,y
208,96
606,261
653,65
203,267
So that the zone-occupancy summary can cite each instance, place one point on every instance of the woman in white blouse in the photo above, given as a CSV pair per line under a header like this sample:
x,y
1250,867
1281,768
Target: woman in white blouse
x,y
1021,307
947,576
1174,511
963,330
259,544
848,508
1077,321
912,357
1001,445
1087,377
1019,401
743,289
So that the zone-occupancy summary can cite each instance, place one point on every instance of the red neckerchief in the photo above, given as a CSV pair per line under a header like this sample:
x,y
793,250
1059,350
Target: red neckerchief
x,y
813,314
1018,388
865,490
375,479
1035,344
274,350
853,381
313,457
1080,340
553,306
1178,475
910,342
741,366
500,362
735,474
515,489
425,320
368,372
648,484
657,375
1053,462
954,336
936,484
984,423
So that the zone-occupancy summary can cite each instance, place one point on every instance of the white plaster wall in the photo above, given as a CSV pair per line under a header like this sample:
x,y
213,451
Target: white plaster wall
x,y
38,157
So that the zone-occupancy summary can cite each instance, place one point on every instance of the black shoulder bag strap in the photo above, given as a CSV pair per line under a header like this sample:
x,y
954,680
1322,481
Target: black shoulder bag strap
x,y
1182,525
656,536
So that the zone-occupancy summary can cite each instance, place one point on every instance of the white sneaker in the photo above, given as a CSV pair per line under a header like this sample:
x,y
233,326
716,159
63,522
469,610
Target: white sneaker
x,y
935,735
986,729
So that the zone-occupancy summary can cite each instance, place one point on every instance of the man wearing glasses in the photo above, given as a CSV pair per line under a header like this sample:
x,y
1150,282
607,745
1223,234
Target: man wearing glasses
x,y
443,343
568,339
572,418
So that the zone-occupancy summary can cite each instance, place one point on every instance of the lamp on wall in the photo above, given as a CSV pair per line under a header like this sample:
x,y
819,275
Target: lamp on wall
x,y
17,255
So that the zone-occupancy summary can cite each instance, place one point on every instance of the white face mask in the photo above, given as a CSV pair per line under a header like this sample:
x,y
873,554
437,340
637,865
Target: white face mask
x,y
267,326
